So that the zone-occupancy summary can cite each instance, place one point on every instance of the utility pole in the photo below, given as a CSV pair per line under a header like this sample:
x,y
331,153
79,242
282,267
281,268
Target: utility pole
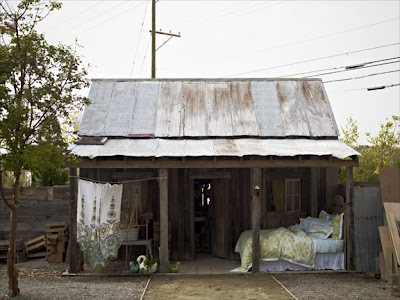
x,y
153,38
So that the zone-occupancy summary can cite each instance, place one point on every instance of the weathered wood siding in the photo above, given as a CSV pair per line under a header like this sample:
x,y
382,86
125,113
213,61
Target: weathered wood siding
x,y
38,206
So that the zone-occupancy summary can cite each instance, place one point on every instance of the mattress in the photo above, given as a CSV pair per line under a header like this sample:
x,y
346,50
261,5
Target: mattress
x,y
328,245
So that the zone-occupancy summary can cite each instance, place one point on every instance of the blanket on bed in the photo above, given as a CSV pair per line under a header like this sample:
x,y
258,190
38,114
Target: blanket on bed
x,y
294,246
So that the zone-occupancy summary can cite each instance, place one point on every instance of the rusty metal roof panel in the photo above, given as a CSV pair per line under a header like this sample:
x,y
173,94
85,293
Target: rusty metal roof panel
x,y
220,108
214,148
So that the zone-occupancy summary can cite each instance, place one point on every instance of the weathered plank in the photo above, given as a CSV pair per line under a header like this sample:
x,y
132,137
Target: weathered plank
x,y
164,256
350,218
256,218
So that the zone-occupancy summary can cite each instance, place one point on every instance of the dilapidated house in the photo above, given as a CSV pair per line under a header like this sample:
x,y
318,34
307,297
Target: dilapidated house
x,y
209,158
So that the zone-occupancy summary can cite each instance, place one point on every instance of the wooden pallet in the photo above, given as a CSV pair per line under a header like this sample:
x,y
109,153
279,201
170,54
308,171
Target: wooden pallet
x,y
56,239
35,245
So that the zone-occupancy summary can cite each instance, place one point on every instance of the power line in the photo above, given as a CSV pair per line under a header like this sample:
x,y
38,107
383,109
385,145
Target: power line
x,y
347,68
311,60
360,77
329,35
140,35
111,18
374,88
78,14
147,49
103,13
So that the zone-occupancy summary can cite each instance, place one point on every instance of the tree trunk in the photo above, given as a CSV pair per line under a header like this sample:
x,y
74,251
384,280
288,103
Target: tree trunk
x,y
13,289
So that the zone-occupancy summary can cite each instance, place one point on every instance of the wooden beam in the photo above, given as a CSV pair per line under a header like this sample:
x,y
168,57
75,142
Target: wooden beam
x,y
215,164
73,245
164,255
255,220
350,218
314,192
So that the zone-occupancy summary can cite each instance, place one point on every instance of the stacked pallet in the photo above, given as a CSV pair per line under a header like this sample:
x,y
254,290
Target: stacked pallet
x,y
390,234
20,253
36,247
56,241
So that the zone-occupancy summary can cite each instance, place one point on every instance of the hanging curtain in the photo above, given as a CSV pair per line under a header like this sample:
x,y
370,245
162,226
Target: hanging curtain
x,y
99,210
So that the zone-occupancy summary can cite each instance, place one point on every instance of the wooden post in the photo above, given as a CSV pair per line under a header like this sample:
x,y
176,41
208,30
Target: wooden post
x,y
153,39
350,218
255,221
164,255
73,246
314,192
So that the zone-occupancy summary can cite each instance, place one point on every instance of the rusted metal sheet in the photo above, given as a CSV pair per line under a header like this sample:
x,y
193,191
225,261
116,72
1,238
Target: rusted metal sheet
x,y
244,119
169,110
319,114
292,109
268,112
181,108
155,147
218,110
194,109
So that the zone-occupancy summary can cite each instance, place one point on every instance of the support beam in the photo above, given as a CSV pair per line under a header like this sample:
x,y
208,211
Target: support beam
x,y
164,255
256,219
215,163
314,192
350,218
73,246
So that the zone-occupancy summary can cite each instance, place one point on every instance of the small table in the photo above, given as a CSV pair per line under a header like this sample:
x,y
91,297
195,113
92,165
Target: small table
x,y
148,243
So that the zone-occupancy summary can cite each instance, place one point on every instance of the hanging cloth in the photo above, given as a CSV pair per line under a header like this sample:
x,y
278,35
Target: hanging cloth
x,y
99,211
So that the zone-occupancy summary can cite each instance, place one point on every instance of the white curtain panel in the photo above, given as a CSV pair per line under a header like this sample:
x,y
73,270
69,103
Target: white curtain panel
x,y
99,211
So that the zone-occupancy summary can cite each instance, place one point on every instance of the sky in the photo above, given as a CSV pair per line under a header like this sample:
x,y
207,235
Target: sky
x,y
247,39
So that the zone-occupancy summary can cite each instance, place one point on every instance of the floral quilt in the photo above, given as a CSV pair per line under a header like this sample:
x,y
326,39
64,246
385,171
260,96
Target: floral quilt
x,y
294,246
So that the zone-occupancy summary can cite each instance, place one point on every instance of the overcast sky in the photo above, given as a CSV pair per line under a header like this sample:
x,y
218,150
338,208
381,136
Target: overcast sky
x,y
259,39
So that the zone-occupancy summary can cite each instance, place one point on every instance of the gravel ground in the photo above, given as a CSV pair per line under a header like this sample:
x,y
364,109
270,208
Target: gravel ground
x,y
40,280
337,286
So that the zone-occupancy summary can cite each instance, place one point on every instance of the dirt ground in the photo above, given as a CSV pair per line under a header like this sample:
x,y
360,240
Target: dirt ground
x,y
40,280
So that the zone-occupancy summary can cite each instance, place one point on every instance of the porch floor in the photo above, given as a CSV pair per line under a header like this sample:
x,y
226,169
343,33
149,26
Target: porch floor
x,y
208,264
202,264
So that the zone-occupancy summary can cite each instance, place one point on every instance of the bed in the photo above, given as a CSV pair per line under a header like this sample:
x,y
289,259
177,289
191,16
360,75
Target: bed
x,y
313,244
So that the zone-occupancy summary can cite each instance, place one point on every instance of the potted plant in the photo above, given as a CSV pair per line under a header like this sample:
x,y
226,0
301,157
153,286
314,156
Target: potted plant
x,y
147,265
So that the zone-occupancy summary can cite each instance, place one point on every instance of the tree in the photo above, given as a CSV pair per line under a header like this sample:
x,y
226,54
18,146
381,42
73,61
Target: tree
x,y
382,150
38,84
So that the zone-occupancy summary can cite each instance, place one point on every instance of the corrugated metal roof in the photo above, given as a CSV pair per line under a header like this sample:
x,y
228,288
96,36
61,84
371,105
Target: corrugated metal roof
x,y
157,147
184,108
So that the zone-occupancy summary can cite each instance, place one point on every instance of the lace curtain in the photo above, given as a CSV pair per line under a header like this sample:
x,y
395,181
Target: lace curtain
x,y
99,210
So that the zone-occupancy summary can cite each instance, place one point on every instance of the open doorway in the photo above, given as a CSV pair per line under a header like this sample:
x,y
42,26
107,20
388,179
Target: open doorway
x,y
202,215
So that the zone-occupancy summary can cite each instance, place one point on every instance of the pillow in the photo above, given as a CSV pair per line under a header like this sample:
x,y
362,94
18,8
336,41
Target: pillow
x,y
337,223
320,231
307,222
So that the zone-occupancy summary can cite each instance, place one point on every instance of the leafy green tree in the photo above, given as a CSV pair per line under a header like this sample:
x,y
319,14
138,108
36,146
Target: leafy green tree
x,y
38,84
382,150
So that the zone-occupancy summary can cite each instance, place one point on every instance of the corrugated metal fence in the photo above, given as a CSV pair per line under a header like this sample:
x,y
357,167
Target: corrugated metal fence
x,y
368,215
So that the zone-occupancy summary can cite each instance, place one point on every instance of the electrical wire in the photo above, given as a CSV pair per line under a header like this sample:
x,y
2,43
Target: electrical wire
x,y
76,15
347,70
360,77
329,35
312,60
147,49
111,18
374,88
140,35
338,68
